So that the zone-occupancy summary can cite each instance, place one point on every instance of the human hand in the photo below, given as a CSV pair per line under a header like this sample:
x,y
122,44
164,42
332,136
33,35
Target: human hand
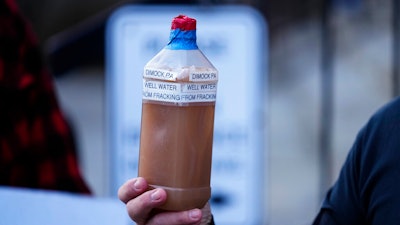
x,y
141,205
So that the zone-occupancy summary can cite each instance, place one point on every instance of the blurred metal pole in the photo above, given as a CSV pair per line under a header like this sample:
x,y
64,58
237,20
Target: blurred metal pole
x,y
395,47
326,116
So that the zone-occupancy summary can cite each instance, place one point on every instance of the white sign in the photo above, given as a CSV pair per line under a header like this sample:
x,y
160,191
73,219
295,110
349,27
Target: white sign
x,y
234,40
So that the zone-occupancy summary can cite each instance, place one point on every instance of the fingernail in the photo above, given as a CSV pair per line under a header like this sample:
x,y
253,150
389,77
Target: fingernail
x,y
155,196
195,214
138,185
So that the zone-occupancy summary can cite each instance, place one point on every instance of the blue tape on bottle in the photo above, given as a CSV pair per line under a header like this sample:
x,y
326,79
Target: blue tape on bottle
x,y
182,40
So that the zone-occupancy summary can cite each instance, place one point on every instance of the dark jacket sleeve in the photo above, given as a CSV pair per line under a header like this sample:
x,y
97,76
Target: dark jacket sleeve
x,y
367,190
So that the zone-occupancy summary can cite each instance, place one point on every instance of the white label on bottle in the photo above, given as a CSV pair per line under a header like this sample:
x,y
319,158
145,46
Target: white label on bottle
x,y
159,74
202,76
179,92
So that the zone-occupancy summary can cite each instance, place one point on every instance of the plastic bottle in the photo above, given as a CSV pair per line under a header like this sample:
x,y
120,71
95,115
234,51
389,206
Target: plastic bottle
x,y
179,93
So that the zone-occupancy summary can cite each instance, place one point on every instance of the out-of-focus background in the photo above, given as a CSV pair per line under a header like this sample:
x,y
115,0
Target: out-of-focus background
x,y
330,67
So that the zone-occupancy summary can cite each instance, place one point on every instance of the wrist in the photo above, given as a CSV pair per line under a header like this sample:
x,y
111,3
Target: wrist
x,y
212,221
207,218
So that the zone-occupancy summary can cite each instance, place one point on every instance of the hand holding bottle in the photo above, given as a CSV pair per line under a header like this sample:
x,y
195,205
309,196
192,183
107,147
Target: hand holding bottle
x,y
141,205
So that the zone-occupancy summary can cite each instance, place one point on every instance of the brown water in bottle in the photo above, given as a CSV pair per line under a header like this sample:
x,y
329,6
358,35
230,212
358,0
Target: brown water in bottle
x,y
179,94
176,150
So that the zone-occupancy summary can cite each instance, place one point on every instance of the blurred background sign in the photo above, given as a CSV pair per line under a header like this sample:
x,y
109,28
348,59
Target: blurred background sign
x,y
233,38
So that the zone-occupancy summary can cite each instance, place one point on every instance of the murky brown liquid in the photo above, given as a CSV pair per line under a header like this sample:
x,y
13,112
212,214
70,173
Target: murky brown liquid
x,y
175,152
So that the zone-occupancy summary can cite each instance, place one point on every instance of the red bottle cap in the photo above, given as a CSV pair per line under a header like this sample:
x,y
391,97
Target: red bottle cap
x,y
183,22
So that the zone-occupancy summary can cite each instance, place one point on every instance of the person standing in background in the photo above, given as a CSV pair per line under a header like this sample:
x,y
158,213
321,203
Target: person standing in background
x,y
37,148
367,189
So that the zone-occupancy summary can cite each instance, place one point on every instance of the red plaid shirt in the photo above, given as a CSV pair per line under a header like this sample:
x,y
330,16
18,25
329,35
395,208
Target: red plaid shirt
x,y
37,149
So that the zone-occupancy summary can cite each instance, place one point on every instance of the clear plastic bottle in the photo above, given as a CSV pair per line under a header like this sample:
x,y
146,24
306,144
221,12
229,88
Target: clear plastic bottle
x,y
179,93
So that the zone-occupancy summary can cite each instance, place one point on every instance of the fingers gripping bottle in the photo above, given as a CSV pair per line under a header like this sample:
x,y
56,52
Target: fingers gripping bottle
x,y
179,93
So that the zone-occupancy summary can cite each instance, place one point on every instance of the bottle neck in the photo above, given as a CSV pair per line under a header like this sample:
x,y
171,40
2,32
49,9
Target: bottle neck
x,y
182,40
